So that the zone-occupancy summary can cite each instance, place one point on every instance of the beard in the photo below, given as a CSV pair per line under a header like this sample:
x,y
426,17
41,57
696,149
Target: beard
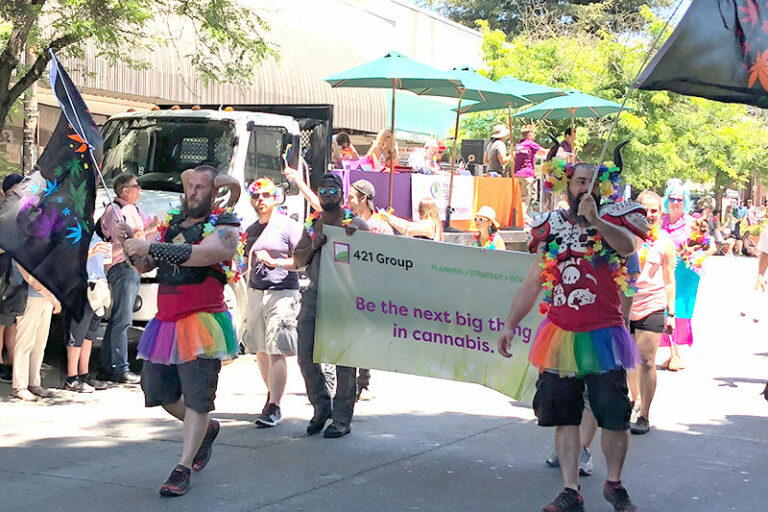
x,y
330,206
200,211
573,207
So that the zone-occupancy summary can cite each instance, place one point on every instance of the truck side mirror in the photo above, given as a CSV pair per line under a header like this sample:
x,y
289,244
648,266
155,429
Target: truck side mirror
x,y
294,151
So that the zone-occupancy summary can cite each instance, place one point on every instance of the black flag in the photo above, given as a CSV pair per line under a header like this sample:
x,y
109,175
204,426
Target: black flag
x,y
46,224
718,51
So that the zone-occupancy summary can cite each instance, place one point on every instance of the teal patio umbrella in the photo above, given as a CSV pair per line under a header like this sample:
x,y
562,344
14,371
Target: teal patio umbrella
x,y
531,91
473,87
393,71
574,104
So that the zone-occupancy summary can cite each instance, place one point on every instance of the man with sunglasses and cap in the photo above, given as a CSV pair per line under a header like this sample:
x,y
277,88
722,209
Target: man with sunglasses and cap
x,y
273,294
360,200
307,255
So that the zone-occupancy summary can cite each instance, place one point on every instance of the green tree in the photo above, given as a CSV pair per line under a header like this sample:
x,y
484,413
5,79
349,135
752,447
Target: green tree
x,y
671,135
227,36
517,16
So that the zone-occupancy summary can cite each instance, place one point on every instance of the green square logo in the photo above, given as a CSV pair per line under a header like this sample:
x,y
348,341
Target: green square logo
x,y
340,252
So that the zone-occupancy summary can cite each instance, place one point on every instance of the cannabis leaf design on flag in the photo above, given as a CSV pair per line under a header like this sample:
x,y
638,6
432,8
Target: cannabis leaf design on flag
x,y
75,233
751,11
78,197
759,70
75,166
50,188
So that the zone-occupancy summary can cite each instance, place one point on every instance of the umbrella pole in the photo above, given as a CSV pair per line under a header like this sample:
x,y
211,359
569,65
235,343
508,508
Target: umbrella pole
x,y
453,162
391,155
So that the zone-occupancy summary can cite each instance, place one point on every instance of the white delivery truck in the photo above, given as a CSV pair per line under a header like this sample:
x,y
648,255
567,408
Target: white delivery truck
x,y
245,141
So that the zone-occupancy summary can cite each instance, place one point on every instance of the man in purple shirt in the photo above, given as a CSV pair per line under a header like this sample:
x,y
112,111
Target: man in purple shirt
x,y
525,154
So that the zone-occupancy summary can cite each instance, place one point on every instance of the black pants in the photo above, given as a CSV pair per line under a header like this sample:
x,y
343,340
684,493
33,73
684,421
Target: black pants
x,y
343,403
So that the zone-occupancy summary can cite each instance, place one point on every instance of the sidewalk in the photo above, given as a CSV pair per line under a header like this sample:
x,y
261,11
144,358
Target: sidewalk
x,y
420,444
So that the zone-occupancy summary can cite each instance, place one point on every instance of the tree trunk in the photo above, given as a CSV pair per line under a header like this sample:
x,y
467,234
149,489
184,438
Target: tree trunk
x,y
31,141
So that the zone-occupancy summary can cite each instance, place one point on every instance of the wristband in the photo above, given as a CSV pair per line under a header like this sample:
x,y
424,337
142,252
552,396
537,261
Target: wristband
x,y
670,315
175,254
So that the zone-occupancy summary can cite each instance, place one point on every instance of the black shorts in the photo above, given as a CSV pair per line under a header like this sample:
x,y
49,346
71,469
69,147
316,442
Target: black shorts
x,y
85,329
196,381
560,400
651,323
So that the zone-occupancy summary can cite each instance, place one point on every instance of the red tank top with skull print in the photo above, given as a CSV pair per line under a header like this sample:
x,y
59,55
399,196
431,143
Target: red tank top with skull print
x,y
585,296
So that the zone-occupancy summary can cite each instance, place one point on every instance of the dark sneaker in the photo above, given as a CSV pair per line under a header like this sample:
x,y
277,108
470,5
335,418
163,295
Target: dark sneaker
x,y
177,484
125,378
765,391
266,404
6,373
78,386
270,417
616,495
567,501
203,455
553,461
317,423
641,426
98,385
336,429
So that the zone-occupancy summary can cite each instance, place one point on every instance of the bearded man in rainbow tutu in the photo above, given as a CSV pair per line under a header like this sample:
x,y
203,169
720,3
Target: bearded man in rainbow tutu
x,y
184,344
583,340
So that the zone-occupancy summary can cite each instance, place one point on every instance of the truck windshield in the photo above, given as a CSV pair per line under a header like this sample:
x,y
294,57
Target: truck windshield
x,y
157,151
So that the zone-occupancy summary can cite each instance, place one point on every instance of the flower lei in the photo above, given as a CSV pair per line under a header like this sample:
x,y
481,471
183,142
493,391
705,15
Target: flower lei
x,y
233,269
557,172
489,244
309,224
653,235
693,255
594,253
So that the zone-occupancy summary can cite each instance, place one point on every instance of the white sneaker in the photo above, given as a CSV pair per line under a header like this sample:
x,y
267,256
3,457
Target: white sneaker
x,y
553,461
79,386
585,462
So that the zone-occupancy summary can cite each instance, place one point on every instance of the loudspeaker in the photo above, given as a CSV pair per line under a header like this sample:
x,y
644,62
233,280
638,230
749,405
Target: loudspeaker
x,y
474,147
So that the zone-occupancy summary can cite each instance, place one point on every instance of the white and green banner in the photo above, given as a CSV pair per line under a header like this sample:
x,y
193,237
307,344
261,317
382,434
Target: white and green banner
x,y
423,308
435,187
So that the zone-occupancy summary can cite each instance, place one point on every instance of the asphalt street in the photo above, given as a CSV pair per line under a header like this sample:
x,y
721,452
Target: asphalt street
x,y
419,444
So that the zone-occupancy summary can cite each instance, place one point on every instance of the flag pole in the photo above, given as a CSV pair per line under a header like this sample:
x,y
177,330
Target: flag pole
x,y
90,146
629,91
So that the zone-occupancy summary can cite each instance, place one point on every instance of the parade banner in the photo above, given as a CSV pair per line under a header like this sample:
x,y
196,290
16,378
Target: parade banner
x,y
423,308
436,187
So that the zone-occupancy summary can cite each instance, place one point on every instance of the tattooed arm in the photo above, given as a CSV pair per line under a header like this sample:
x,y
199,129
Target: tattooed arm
x,y
221,245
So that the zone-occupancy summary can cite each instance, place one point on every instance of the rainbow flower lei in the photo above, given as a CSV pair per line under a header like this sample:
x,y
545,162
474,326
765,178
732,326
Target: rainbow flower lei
x,y
489,244
309,224
556,173
694,255
653,235
595,253
233,269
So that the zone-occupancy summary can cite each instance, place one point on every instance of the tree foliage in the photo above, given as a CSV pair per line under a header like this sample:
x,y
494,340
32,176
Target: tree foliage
x,y
514,17
227,36
671,135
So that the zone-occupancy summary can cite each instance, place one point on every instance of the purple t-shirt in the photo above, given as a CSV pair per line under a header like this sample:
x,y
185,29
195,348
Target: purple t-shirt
x,y
279,237
525,153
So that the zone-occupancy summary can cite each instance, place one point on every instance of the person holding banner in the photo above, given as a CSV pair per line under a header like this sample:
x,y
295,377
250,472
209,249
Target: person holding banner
x,y
428,227
307,255
583,341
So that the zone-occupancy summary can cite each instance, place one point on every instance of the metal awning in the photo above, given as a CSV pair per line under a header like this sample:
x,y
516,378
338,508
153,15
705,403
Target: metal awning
x,y
294,77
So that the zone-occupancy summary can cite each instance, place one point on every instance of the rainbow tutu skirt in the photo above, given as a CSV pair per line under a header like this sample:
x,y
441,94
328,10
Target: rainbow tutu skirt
x,y
583,353
206,335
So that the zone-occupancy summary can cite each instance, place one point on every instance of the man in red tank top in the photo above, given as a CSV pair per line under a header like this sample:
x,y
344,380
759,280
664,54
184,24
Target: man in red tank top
x,y
583,341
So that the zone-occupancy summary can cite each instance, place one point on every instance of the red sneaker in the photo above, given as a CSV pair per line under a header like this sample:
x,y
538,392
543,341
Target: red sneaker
x,y
567,501
177,484
617,495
